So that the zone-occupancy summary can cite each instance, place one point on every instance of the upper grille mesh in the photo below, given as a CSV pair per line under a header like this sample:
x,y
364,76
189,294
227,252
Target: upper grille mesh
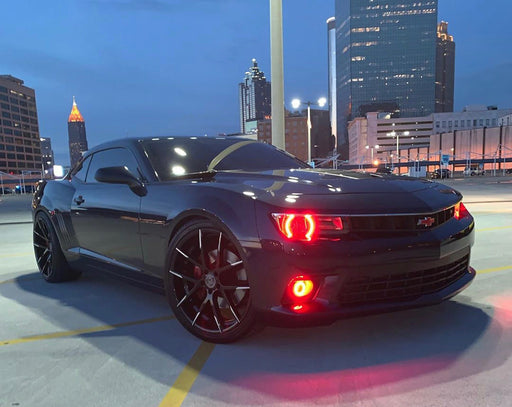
x,y
398,223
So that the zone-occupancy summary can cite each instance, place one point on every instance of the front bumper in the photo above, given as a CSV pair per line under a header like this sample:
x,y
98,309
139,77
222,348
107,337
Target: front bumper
x,y
320,311
362,276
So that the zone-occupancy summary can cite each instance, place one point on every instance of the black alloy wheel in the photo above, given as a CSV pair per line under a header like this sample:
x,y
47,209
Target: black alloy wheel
x,y
49,257
207,284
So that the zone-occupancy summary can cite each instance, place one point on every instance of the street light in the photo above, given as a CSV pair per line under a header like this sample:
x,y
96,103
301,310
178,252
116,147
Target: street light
x,y
397,135
320,102
376,147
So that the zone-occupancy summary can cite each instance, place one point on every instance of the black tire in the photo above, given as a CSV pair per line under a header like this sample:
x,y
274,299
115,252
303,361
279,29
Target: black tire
x,y
49,257
206,283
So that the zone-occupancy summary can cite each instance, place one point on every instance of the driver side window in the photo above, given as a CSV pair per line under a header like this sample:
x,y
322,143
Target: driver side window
x,y
113,157
81,171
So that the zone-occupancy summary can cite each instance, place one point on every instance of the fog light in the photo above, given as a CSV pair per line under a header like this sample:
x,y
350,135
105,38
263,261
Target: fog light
x,y
299,291
302,288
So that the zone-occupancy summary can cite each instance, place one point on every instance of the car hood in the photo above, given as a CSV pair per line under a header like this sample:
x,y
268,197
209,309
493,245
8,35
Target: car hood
x,y
334,190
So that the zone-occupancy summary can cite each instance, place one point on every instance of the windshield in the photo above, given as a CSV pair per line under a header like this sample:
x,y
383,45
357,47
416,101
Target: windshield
x,y
175,156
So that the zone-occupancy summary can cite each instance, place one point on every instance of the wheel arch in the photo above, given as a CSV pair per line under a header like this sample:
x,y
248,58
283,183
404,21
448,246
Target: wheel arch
x,y
192,215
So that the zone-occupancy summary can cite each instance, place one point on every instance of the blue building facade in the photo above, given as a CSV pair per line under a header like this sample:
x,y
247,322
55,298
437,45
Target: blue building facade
x,y
385,59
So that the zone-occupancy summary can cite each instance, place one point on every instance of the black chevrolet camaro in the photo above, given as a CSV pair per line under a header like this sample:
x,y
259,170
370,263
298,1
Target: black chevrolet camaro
x,y
238,232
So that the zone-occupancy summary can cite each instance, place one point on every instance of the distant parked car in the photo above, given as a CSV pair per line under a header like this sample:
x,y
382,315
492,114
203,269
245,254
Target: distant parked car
x,y
509,171
442,173
474,170
5,190
384,170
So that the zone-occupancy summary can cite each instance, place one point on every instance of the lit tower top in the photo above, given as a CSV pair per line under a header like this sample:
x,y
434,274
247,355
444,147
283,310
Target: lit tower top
x,y
442,32
75,115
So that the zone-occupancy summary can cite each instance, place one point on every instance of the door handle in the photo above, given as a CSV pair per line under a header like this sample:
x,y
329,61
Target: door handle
x,y
79,200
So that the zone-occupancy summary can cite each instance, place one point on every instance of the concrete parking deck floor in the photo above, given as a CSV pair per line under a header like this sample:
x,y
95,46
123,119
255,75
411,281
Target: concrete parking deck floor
x,y
102,342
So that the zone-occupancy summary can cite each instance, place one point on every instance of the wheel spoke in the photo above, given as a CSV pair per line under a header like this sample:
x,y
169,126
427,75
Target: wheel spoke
x,y
195,263
218,251
40,246
200,310
231,305
41,257
39,235
235,287
183,277
43,228
187,296
237,265
201,253
216,315
47,264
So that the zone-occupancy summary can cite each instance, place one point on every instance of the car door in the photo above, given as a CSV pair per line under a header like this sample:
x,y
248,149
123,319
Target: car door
x,y
105,217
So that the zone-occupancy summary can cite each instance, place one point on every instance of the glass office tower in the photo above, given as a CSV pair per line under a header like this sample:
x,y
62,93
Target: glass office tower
x,y
445,69
254,95
385,56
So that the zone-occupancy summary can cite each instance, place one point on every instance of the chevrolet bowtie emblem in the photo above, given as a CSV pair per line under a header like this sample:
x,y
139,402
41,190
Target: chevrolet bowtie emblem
x,y
427,222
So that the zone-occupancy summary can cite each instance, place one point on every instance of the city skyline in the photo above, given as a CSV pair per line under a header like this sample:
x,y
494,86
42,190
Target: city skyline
x,y
136,74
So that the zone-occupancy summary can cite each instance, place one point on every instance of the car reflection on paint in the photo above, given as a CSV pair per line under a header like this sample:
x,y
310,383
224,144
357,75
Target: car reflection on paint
x,y
239,233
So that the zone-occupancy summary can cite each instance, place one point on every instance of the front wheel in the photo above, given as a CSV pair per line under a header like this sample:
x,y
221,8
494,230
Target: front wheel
x,y
207,284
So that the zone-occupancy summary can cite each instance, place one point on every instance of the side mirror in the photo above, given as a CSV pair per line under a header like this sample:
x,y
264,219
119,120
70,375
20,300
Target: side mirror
x,y
120,175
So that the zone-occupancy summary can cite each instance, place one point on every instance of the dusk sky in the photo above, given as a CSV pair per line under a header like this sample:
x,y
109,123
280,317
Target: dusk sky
x,y
166,67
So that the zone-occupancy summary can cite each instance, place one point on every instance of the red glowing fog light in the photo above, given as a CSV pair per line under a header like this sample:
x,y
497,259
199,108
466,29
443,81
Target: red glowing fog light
x,y
300,290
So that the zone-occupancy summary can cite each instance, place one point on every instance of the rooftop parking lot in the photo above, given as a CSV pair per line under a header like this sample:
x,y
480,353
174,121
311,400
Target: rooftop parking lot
x,y
102,342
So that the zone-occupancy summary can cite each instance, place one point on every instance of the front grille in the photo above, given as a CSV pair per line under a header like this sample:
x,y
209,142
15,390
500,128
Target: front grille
x,y
399,223
400,286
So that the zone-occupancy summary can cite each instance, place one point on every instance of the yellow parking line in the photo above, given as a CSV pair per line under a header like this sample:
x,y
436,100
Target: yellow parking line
x,y
24,277
494,228
493,269
76,332
2,256
188,376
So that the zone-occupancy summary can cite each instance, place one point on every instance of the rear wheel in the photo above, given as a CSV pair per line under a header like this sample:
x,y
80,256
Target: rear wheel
x,y
49,257
207,284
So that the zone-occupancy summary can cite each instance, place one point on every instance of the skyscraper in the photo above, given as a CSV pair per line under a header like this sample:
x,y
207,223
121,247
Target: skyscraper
x,y
331,67
254,95
20,149
76,134
47,153
445,69
386,55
